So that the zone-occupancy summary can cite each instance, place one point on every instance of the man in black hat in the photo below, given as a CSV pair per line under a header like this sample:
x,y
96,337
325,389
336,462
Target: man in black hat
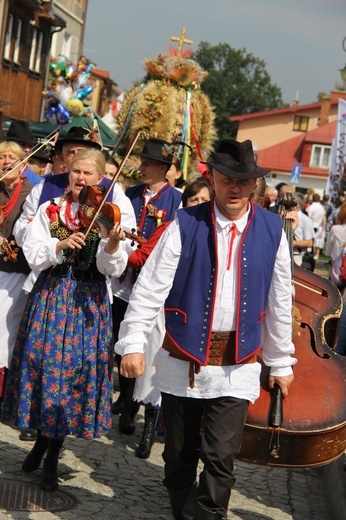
x,y
39,161
76,139
222,271
154,202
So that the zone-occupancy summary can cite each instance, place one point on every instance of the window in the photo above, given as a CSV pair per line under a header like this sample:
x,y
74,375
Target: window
x,y
8,38
67,45
36,49
320,156
301,123
12,39
17,42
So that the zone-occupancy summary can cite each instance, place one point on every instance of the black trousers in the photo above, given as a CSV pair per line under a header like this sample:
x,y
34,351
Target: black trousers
x,y
206,429
126,385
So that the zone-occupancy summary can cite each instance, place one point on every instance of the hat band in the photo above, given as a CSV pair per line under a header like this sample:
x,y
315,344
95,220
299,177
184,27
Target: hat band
x,y
236,167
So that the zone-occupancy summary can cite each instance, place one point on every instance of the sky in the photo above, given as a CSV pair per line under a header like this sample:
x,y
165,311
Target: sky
x,y
300,41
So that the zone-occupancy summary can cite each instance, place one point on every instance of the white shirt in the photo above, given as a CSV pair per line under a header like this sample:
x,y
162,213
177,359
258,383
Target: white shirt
x,y
151,290
30,207
316,213
336,240
304,231
39,246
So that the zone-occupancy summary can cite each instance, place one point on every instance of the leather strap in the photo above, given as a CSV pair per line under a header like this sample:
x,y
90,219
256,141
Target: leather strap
x,y
221,353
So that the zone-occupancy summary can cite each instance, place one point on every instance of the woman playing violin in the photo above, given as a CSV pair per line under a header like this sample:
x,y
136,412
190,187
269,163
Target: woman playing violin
x,y
13,265
60,379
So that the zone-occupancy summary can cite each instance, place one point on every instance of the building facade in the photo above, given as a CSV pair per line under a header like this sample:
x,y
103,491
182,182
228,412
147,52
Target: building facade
x,y
294,139
32,33
26,32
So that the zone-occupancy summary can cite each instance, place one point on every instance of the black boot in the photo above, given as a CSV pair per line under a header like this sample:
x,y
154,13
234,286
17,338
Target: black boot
x,y
33,460
126,419
203,514
118,405
183,502
50,479
29,434
147,440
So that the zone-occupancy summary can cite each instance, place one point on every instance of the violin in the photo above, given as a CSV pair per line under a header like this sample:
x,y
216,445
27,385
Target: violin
x,y
90,199
6,246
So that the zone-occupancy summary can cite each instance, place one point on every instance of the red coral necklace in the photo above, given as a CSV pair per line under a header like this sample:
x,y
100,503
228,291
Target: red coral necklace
x,y
6,208
73,223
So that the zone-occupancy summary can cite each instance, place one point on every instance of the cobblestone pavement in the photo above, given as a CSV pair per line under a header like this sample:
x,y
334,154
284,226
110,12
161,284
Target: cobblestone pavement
x,y
110,483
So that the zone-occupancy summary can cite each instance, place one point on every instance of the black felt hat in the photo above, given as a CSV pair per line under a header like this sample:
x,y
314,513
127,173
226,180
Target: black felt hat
x,y
20,132
158,150
78,134
236,160
44,153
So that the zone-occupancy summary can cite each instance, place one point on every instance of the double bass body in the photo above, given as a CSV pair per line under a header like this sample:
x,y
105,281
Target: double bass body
x,y
313,429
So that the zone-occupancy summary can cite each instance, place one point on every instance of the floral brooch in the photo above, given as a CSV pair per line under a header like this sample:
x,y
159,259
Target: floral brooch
x,y
159,214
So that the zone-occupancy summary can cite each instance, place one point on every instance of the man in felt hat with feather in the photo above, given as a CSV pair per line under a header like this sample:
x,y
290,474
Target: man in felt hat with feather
x,y
222,270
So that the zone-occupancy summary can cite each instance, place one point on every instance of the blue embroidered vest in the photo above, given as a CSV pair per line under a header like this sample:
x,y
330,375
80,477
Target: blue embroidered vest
x,y
167,198
190,303
55,186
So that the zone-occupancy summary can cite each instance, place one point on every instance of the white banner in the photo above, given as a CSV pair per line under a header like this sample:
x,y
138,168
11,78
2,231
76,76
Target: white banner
x,y
338,157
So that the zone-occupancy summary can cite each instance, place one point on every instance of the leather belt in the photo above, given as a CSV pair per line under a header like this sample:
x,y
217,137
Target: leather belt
x,y
221,352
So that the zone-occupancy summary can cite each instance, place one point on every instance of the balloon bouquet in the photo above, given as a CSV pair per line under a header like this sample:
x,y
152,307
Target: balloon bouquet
x,y
69,86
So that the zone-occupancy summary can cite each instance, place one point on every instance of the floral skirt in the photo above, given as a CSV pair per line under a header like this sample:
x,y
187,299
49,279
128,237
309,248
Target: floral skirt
x,y
60,377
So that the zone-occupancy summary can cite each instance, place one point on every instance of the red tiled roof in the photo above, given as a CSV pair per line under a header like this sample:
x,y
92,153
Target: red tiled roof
x,y
104,74
324,134
101,73
279,111
282,156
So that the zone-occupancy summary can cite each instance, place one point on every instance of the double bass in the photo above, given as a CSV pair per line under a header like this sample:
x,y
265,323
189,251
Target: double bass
x,y
308,428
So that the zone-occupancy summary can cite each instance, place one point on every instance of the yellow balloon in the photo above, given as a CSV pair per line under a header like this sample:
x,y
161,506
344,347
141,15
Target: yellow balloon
x,y
75,106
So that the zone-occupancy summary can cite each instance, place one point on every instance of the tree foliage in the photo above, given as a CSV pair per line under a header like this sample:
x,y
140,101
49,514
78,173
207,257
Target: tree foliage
x,y
237,83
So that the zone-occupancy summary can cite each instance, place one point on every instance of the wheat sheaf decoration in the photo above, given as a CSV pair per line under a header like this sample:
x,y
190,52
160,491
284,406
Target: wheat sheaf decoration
x,y
170,102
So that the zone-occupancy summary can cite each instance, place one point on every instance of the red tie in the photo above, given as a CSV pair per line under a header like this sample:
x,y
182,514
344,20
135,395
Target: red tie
x,y
232,233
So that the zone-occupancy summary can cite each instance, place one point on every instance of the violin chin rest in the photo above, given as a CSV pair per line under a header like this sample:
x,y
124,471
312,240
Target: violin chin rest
x,y
83,195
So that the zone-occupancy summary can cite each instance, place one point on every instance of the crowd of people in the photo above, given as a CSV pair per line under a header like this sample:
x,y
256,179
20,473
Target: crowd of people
x,y
181,312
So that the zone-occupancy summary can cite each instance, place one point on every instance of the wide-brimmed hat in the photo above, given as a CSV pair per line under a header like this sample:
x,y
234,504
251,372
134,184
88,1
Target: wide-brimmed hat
x,y
19,132
44,153
78,134
236,160
158,150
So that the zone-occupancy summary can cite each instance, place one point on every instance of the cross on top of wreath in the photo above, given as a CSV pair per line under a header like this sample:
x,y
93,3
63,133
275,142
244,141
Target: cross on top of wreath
x,y
181,41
